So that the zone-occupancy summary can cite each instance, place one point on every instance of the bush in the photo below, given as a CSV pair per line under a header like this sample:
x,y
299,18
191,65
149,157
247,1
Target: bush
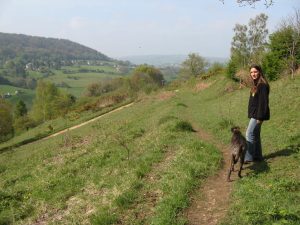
x,y
231,70
272,66
6,121
215,69
24,123
244,78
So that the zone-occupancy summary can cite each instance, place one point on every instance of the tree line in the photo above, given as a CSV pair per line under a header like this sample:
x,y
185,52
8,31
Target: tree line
x,y
278,53
32,48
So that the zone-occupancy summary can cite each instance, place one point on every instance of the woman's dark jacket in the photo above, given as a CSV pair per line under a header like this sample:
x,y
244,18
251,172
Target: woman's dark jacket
x,y
258,107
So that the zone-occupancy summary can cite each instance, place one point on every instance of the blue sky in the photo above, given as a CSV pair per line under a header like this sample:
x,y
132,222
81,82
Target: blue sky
x,y
139,27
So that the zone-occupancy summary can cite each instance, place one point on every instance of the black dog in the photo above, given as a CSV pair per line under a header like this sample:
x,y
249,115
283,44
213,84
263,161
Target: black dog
x,y
238,147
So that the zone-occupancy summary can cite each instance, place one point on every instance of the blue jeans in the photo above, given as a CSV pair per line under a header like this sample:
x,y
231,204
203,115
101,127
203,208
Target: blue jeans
x,y
254,151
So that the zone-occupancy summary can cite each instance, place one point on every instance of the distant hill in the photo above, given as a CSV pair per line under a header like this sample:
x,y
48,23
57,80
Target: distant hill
x,y
165,60
36,48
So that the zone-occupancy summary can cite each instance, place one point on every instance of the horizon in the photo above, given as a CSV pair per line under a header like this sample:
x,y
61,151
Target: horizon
x,y
139,28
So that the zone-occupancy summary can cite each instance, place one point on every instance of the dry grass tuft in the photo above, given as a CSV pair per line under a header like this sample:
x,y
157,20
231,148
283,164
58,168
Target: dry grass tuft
x,y
201,86
165,95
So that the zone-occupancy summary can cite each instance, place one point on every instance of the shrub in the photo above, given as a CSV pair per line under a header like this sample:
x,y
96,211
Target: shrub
x,y
272,66
244,78
24,123
231,70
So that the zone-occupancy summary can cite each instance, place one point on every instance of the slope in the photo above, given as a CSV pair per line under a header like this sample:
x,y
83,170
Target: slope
x,y
140,165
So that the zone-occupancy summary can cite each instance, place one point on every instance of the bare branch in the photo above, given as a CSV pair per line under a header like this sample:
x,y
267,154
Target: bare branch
x,y
267,3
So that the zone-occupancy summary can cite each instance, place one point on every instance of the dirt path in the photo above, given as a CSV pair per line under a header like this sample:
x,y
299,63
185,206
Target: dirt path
x,y
86,122
209,204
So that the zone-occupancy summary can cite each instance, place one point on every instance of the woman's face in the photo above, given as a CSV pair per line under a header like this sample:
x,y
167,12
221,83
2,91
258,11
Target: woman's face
x,y
254,73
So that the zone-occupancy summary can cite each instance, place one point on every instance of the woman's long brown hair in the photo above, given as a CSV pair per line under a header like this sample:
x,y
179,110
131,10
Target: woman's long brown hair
x,y
261,79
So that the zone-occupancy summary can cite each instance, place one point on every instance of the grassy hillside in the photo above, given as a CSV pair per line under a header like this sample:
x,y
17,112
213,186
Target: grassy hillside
x,y
102,171
269,194
138,165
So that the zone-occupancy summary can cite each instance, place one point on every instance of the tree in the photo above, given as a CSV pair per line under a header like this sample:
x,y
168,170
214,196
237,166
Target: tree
x,y
44,103
146,78
248,44
50,102
272,65
193,66
64,102
6,120
20,110
293,23
257,37
105,86
284,48
153,74
239,46
231,68
267,3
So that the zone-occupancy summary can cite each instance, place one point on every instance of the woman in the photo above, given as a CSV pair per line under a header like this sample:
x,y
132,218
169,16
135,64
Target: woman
x,y
258,111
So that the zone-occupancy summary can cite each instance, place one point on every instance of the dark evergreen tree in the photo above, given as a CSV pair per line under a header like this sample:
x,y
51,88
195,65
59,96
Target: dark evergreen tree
x,y
20,109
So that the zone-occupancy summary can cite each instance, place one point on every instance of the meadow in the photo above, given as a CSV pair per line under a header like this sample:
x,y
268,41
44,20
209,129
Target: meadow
x,y
26,95
77,80
140,165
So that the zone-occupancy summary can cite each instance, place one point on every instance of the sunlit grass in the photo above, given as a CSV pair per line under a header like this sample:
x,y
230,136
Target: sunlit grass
x,y
100,173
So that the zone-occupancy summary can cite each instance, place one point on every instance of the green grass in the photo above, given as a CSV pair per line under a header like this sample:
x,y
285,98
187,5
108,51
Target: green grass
x,y
79,81
25,95
269,193
56,125
103,166
139,165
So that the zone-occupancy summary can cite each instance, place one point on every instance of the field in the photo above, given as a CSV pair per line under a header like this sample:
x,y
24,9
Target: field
x,y
25,95
74,82
71,79
140,165
77,81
